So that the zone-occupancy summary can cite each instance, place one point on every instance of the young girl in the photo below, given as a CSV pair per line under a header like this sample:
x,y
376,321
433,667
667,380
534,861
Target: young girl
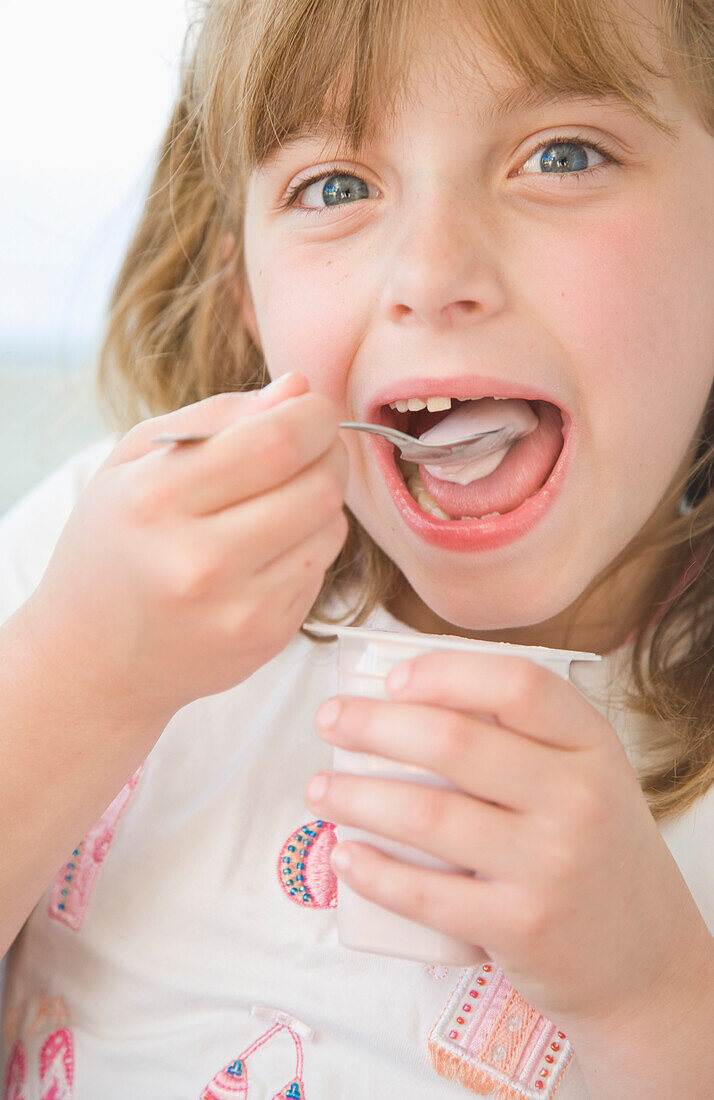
x,y
386,209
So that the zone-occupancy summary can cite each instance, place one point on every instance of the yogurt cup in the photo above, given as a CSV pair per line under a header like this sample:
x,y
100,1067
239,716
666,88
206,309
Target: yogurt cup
x,y
364,659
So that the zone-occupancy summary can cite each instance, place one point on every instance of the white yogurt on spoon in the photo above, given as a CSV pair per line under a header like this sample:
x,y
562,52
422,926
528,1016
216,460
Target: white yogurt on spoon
x,y
484,415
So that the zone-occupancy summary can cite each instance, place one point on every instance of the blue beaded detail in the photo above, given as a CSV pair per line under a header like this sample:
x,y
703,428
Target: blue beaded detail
x,y
68,878
292,863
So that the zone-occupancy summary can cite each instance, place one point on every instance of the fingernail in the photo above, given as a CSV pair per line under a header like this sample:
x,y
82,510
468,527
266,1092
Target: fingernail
x,y
283,380
328,714
317,788
398,677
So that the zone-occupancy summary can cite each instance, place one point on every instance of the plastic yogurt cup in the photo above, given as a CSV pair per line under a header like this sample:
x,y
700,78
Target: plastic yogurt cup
x,y
364,659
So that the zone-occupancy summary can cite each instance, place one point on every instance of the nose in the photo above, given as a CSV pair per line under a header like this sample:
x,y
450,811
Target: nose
x,y
443,271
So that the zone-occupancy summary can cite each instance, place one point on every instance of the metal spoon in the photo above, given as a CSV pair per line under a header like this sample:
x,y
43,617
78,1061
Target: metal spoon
x,y
413,450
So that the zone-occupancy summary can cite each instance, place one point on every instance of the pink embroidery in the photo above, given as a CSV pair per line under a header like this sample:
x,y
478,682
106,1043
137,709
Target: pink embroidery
x,y
16,1074
438,973
228,1083
295,1089
304,870
57,1066
491,1040
231,1082
73,886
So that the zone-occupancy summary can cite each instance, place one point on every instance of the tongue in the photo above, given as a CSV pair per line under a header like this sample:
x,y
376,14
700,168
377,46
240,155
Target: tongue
x,y
520,470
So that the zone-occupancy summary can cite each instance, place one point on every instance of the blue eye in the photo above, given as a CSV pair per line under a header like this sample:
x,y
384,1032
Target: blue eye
x,y
565,156
561,156
347,188
334,190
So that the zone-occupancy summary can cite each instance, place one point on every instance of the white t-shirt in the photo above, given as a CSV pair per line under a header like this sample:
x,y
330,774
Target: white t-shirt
x,y
183,953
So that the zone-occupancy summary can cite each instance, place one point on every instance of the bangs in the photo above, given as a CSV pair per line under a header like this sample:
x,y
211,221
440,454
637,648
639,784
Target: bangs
x,y
607,49
289,68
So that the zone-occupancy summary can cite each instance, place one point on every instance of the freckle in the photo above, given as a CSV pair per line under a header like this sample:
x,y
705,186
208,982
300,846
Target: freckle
x,y
327,263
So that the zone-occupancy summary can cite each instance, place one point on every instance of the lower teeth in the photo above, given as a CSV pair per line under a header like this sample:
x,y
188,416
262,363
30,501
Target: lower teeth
x,y
427,504
423,497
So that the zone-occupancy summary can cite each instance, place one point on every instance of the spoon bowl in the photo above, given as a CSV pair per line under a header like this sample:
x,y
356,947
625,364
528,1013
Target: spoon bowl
x,y
455,451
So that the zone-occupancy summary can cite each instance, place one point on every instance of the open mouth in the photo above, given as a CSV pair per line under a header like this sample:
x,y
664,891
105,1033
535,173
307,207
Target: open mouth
x,y
520,473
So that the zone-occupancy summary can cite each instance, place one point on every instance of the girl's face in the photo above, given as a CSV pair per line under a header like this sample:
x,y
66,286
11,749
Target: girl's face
x,y
451,259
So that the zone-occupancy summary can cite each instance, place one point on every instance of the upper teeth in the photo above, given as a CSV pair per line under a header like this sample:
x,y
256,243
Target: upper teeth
x,y
433,404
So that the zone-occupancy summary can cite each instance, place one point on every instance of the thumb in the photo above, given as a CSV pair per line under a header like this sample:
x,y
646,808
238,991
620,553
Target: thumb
x,y
207,417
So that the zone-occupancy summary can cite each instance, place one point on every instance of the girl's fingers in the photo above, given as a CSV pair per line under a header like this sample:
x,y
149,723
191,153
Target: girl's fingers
x,y
460,905
517,692
481,758
208,417
437,821
263,528
252,456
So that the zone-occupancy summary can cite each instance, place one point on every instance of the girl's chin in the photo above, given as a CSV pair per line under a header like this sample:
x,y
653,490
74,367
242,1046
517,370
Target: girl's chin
x,y
433,610
445,592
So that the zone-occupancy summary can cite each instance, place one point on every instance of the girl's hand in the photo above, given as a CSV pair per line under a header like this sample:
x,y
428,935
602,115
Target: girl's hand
x,y
582,906
184,569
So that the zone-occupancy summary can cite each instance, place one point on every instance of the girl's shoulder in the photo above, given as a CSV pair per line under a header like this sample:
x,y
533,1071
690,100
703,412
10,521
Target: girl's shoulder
x,y
30,528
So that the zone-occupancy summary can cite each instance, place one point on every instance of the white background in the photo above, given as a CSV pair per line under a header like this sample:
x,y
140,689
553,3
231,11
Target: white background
x,y
87,89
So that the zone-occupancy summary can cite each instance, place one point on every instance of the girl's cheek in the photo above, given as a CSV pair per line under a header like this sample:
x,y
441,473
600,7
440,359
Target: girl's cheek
x,y
613,296
627,310
312,314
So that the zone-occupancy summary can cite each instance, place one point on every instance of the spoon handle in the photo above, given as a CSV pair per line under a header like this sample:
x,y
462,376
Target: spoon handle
x,y
413,450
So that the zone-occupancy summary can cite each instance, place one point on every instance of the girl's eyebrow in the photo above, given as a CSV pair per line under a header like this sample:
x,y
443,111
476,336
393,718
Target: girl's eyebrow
x,y
530,96
328,132
519,98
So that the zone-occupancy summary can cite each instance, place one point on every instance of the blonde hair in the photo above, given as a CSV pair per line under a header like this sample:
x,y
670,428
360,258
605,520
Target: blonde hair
x,y
256,72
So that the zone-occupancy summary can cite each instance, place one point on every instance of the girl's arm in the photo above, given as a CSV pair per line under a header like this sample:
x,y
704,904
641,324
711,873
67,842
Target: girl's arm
x,y
65,754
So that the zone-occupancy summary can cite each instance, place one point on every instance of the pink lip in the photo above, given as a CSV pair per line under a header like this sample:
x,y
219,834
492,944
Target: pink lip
x,y
467,535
